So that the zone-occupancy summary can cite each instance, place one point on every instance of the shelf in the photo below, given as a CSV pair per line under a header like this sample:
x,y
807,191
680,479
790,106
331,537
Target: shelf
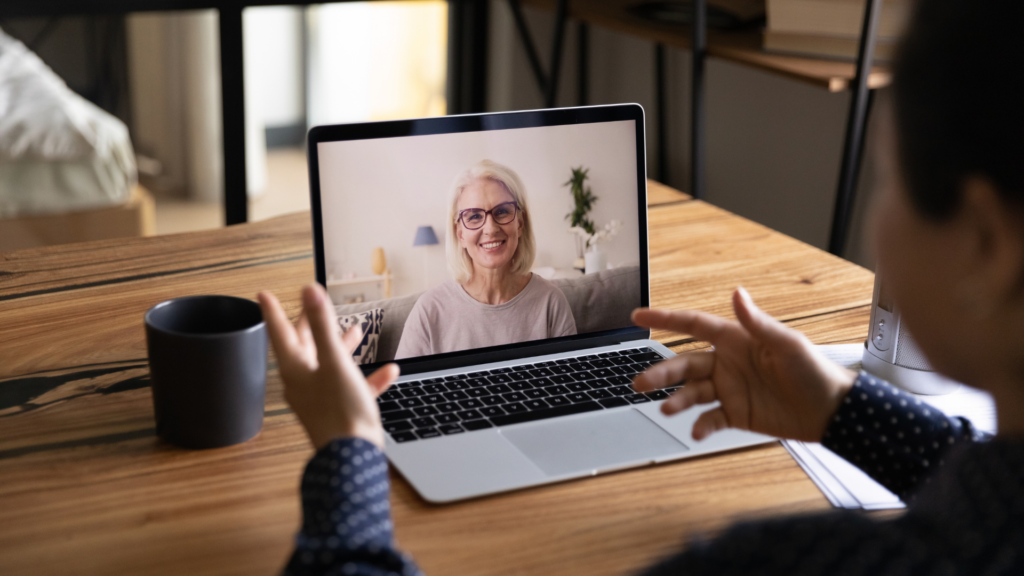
x,y
742,47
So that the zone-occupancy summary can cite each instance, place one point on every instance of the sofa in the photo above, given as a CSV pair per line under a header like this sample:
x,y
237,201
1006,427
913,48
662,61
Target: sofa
x,y
600,301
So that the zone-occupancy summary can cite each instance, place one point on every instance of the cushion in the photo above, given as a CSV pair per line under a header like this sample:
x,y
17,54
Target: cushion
x,y
371,322
604,300
396,311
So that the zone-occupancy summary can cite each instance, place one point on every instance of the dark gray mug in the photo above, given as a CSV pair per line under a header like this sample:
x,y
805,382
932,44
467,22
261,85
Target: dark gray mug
x,y
208,369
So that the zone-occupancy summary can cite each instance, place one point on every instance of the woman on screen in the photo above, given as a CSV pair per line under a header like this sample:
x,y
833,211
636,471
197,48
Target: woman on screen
x,y
492,298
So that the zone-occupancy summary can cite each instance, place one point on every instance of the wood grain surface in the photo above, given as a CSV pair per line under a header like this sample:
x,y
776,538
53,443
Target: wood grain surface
x,y
87,488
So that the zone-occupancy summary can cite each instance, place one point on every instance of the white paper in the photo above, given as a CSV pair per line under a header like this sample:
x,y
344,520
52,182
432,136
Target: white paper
x,y
845,485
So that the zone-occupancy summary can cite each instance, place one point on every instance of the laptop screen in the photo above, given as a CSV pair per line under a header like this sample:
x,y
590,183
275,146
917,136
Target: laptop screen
x,y
443,242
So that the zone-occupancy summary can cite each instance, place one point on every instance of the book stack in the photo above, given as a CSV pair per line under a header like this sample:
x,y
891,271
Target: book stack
x,y
831,28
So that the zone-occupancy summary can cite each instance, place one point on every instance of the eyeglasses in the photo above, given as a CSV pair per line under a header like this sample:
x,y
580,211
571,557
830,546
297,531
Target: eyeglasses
x,y
474,218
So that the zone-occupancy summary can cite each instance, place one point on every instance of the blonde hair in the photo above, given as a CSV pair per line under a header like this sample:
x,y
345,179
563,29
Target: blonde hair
x,y
459,262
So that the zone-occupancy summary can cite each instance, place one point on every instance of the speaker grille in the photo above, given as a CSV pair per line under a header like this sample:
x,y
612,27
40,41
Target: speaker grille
x,y
908,354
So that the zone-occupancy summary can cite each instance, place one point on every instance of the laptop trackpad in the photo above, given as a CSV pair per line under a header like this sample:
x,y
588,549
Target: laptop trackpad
x,y
593,442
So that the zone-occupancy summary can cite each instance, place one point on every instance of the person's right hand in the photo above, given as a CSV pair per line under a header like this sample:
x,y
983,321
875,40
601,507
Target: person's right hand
x,y
768,377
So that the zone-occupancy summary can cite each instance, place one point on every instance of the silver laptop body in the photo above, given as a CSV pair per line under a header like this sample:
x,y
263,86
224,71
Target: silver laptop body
x,y
468,423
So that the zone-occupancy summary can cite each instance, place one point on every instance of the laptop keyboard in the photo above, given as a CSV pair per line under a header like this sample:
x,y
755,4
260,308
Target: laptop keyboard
x,y
434,407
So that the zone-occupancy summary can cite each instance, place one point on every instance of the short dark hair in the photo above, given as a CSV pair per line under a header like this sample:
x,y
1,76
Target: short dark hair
x,y
958,92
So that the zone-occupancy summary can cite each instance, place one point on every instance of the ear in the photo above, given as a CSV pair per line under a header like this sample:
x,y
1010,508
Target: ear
x,y
995,231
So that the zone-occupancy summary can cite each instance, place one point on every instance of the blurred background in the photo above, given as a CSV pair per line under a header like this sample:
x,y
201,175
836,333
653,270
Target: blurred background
x,y
773,142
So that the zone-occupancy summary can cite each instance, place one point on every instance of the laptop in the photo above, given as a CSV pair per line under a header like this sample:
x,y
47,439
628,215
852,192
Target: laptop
x,y
507,395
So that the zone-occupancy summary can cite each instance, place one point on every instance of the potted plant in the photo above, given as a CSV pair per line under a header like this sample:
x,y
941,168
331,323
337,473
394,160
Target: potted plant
x,y
583,202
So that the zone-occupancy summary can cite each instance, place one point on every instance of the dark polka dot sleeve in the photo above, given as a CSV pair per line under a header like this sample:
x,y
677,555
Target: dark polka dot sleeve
x,y
346,515
893,436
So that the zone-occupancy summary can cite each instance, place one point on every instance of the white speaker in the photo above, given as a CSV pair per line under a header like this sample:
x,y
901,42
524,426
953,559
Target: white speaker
x,y
891,354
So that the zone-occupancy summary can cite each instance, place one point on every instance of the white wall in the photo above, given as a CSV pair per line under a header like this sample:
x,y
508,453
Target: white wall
x,y
378,192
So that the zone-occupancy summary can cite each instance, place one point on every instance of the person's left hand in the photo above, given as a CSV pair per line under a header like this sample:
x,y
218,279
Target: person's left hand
x,y
322,383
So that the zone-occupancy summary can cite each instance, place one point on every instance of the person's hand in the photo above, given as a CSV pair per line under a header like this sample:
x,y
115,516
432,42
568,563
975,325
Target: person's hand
x,y
322,383
768,377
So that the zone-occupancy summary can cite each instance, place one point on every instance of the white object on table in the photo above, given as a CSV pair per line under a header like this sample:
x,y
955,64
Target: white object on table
x,y
845,485
596,261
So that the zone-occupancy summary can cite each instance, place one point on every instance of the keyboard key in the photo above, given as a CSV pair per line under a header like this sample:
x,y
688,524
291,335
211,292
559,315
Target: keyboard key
x,y
646,357
435,388
388,406
477,382
562,369
519,376
565,361
491,411
577,397
426,411
469,415
432,380
435,398
391,395
403,436
414,383
607,354
541,372
455,395
514,396
544,364
536,404
499,389
477,374
578,366
599,394
657,395
396,415
578,387
628,352
446,418
457,385
447,407
535,393
620,360
476,424
428,433
412,392
636,398
622,370
520,386
541,382
558,401
557,390
454,378
451,429
562,379
498,379
470,403
588,358
397,426
620,381
532,415
612,402
514,408
602,372
601,363
582,376
410,402
600,383
492,400
523,367
423,422
621,390
477,392
501,371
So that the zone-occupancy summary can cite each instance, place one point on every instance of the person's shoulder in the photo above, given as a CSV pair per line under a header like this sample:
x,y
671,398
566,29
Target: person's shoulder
x,y
546,289
438,296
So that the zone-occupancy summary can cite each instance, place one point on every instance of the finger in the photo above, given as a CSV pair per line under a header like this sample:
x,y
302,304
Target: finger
x,y
760,324
693,393
708,423
693,365
324,325
351,338
697,324
304,333
282,334
382,378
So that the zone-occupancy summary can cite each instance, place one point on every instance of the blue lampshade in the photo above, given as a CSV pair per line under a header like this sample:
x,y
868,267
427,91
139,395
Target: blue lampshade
x,y
425,236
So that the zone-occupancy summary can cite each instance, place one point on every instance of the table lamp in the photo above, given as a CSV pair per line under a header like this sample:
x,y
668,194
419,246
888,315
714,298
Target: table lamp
x,y
425,237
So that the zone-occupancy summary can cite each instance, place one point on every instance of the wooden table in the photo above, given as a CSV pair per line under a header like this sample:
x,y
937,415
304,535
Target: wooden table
x,y
86,487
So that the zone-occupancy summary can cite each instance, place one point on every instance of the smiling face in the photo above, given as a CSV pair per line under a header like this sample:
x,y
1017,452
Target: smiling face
x,y
493,245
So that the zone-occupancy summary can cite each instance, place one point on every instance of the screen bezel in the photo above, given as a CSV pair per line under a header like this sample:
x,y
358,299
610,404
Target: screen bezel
x,y
479,123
